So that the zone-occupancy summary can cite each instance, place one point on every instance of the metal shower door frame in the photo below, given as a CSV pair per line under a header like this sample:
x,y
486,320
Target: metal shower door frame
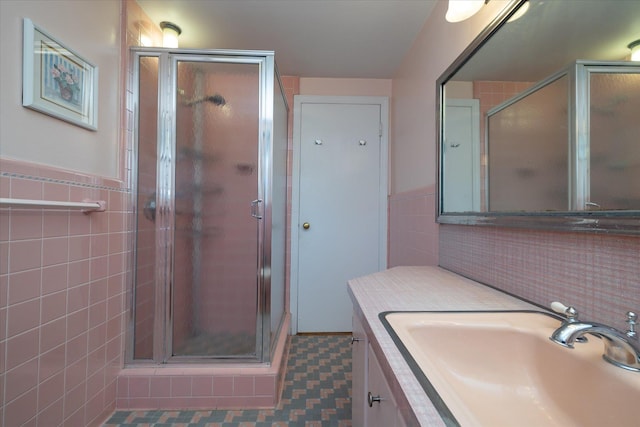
x,y
165,195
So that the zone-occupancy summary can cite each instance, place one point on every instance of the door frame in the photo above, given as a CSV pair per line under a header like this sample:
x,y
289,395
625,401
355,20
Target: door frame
x,y
298,101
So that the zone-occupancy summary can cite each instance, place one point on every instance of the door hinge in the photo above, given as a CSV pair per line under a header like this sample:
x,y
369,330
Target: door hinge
x,y
380,130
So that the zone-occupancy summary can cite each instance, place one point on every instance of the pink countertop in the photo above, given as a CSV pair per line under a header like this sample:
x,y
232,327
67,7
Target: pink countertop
x,y
417,289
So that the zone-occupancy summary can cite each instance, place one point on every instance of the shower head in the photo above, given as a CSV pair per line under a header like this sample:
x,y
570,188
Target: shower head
x,y
216,99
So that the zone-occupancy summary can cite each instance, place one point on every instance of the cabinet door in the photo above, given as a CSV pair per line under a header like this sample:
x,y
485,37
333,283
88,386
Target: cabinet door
x,y
381,413
359,375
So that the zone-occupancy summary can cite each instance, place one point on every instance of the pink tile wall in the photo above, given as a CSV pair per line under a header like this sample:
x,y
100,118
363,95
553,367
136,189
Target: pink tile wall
x,y
228,292
62,276
196,391
205,386
597,273
413,232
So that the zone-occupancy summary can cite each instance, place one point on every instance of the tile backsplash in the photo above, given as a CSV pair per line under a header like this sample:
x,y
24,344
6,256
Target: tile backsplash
x,y
599,274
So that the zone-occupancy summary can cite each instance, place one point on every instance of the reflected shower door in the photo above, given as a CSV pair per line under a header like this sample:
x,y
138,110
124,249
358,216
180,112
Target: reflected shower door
x,y
215,270
528,152
614,144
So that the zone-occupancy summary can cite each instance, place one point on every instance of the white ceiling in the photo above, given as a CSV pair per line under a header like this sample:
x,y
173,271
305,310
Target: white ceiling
x,y
311,38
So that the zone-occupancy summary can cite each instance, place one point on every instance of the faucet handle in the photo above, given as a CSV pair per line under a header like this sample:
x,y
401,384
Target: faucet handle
x,y
570,312
632,320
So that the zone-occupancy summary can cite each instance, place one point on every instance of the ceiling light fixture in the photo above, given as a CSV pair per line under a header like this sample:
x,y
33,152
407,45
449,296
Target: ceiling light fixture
x,y
634,47
459,10
170,33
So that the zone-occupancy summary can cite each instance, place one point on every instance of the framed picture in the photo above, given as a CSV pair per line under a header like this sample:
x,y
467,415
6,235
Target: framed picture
x,y
57,81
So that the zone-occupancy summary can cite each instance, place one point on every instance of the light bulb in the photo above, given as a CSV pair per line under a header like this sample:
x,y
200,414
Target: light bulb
x,y
635,50
170,33
459,10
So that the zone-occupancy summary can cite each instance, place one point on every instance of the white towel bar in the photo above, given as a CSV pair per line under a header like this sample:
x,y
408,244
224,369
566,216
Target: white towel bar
x,y
86,207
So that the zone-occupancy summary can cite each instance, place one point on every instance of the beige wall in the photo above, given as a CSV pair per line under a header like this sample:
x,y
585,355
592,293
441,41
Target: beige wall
x,y
459,90
344,87
92,29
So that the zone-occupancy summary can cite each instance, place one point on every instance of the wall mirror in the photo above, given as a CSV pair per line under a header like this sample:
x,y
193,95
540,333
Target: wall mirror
x,y
539,120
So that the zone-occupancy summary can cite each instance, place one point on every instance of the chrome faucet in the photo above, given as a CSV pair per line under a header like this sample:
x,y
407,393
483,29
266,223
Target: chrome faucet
x,y
621,349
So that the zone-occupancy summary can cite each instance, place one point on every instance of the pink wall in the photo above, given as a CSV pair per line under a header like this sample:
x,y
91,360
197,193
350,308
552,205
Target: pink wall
x,y
413,232
344,87
92,30
596,272
62,302
62,273
412,228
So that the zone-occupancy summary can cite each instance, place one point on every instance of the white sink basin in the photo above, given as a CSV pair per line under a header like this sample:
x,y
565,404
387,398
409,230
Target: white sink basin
x,y
499,369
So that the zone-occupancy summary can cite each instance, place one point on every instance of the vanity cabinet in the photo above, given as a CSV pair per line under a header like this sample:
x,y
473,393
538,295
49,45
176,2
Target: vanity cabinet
x,y
359,350
369,383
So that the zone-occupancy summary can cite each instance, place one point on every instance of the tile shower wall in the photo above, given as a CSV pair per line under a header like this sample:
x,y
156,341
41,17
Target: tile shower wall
x,y
194,387
62,276
597,273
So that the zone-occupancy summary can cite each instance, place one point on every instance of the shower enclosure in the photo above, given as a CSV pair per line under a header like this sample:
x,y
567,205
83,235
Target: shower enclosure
x,y
568,143
209,173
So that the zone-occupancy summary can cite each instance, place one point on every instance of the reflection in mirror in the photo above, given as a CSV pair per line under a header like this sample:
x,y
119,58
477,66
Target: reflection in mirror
x,y
523,154
539,116
614,143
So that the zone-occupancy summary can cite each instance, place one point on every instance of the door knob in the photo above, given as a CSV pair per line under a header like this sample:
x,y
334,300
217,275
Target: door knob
x,y
371,399
306,225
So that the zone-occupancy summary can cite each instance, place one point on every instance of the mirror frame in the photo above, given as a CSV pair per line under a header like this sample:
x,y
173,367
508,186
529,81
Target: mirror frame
x,y
614,222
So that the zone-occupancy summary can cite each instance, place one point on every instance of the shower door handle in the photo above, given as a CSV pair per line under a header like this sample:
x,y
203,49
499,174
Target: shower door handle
x,y
255,209
150,208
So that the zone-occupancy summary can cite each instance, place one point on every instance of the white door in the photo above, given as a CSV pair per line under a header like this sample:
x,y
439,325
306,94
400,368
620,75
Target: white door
x,y
339,226
461,153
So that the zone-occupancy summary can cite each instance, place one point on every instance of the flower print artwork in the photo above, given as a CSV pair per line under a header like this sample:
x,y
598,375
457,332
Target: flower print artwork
x,y
63,82
56,80
67,83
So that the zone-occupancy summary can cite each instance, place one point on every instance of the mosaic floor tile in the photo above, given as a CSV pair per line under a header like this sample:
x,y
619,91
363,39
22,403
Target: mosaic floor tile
x,y
221,344
317,393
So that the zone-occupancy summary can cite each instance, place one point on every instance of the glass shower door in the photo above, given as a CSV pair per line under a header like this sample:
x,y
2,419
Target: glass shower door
x,y
210,160
214,308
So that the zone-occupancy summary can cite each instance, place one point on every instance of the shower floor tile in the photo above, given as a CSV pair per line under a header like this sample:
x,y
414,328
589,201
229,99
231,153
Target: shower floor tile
x,y
317,393
218,345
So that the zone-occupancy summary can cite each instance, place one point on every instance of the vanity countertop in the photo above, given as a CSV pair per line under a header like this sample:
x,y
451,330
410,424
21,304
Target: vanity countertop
x,y
417,289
